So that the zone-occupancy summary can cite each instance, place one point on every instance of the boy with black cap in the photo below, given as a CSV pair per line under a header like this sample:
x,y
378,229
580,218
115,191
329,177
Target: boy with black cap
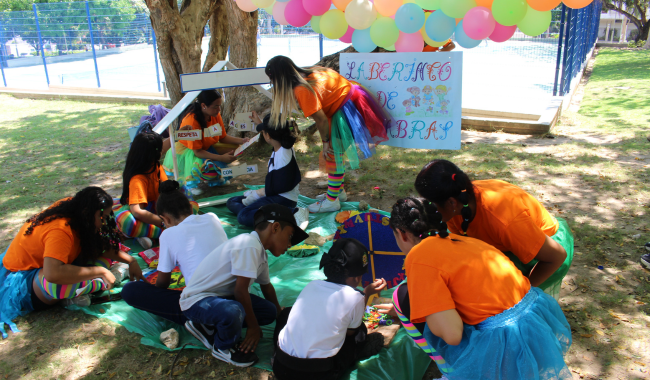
x,y
217,302
323,335
282,183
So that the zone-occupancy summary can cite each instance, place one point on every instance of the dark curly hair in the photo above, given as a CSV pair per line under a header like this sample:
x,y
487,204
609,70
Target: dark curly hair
x,y
417,216
143,158
80,211
172,200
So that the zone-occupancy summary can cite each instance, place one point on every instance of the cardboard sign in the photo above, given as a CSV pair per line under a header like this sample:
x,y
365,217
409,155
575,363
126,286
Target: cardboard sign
x,y
421,91
245,145
213,130
243,122
235,171
188,135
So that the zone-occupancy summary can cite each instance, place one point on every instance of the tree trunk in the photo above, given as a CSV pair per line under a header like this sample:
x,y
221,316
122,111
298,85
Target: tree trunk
x,y
219,38
647,44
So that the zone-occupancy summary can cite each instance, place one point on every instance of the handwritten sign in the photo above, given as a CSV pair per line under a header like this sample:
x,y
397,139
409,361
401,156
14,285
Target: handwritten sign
x,y
213,130
235,171
243,122
245,145
421,91
189,135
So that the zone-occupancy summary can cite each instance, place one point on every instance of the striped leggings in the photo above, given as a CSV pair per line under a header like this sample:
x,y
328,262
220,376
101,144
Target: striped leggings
x,y
334,180
134,228
59,292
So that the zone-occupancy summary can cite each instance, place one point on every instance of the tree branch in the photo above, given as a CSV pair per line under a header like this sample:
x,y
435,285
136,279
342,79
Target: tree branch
x,y
629,15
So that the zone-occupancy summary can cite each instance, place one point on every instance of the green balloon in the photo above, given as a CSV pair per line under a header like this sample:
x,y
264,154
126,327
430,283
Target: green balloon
x,y
456,8
384,32
534,22
333,24
429,5
315,24
509,12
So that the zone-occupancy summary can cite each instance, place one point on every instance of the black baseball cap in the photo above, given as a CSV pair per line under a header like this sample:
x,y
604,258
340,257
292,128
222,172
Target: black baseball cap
x,y
264,125
351,254
277,213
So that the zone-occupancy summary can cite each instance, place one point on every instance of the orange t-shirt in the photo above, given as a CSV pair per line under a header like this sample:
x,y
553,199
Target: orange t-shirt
x,y
508,218
331,90
54,239
206,142
467,275
143,189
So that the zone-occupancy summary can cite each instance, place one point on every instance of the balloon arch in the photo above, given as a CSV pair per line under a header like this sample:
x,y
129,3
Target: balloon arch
x,y
407,25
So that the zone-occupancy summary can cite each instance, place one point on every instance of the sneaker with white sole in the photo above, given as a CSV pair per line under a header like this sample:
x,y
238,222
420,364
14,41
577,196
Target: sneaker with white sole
x,y
343,196
145,242
203,333
196,191
81,301
302,217
325,206
235,356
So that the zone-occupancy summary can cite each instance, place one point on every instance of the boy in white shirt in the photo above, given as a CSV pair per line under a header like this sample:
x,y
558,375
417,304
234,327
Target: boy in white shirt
x,y
217,301
185,242
323,335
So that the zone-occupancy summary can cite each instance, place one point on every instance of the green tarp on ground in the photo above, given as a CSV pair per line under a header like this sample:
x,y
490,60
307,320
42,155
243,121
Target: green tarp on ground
x,y
289,275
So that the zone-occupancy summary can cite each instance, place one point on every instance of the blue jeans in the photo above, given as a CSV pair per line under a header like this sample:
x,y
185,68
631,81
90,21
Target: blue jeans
x,y
246,214
158,301
227,317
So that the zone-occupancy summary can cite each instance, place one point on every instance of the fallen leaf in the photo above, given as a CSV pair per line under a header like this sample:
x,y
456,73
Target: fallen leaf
x,y
600,332
179,371
139,373
159,370
586,335
639,363
212,374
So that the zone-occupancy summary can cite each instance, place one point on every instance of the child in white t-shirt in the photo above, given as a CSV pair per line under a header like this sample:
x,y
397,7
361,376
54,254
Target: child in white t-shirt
x,y
323,335
217,300
186,241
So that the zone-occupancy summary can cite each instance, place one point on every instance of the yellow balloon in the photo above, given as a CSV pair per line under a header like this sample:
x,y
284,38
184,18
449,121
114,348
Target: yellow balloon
x,y
333,24
360,14
263,3
269,9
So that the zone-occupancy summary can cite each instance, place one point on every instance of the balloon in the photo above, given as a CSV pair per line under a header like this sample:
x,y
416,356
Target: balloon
x,y
485,3
315,24
283,1
534,22
360,14
387,8
333,24
278,12
316,7
362,42
502,33
390,48
262,3
347,37
384,32
426,38
479,23
246,5
295,14
269,9
341,4
409,42
409,18
576,4
430,5
462,38
439,26
457,8
509,12
543,5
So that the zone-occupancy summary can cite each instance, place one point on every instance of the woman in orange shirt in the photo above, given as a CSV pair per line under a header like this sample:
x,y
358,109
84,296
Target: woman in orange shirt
x,y
479,313
346,116
504,216
198,161
64,253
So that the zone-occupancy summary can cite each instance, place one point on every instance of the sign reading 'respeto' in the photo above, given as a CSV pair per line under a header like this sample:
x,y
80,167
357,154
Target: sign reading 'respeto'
x,y
421,91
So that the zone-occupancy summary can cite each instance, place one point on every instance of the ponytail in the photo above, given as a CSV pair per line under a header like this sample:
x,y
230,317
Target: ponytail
x,y
417,216
172,201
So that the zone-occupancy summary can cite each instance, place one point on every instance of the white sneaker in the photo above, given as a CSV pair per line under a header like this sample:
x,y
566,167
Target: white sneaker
x,y
343,196
235,357
196,191
325,206
81,301
302,217
145,242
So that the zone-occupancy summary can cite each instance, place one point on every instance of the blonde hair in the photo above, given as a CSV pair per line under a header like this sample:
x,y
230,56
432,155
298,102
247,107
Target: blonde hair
x,y
442,88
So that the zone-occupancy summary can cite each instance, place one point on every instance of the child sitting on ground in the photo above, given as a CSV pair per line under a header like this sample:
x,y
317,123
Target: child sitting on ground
x,y
323,335
217,301
480,312
282,181
187,240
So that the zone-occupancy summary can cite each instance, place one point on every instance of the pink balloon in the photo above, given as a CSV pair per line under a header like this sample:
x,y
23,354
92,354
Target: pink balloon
x,y
347,37
409,43
502,33
316,7
278,12
478,23
295,14
246,5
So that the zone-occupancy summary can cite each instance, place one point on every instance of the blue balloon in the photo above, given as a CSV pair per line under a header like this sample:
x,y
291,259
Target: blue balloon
x,y
409,18
462,38
362,42
439,26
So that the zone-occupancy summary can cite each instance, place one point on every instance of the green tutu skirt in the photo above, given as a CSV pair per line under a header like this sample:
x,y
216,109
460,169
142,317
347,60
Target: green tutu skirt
x,y
193,170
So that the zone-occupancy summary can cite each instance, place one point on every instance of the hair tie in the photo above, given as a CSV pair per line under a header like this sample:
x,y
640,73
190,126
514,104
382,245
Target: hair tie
x,y
415,220
453,177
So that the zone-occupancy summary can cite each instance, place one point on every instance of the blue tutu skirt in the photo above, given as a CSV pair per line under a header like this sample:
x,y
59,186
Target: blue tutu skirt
x,y
527,341
15,295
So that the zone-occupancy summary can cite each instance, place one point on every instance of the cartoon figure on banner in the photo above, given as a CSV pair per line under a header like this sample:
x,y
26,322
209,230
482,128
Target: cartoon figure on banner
x,y
442,91
407,103
428,95
443,107
415,99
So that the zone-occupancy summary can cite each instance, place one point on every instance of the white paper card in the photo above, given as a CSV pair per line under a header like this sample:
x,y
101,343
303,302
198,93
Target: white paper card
x,y
189,135
213,130
245,145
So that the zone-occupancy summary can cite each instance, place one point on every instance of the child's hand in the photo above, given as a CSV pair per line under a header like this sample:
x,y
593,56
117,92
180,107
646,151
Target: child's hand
x,y
375,287
135,273
252,338
386,308
255,117
228,157
244,140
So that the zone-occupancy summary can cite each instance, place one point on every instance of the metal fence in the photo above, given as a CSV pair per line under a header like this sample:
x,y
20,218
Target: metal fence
x,y
110,44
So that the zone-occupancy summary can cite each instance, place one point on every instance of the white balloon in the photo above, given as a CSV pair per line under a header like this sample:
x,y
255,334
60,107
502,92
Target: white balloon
x,y
360,14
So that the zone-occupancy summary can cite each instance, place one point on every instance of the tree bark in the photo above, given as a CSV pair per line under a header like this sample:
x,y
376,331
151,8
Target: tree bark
x,y
219,38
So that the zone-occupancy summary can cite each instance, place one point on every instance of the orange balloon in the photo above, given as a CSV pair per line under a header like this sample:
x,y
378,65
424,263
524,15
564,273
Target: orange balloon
x,y
458,20
544,5
341,4
577,4
387,8
485,3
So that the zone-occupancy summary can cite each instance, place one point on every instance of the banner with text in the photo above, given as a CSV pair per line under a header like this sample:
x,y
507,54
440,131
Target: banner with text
x,y
421,91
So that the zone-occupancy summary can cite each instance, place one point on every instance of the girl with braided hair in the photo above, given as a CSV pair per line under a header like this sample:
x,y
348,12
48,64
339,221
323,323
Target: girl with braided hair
x,y
504,216
466,302
62,253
